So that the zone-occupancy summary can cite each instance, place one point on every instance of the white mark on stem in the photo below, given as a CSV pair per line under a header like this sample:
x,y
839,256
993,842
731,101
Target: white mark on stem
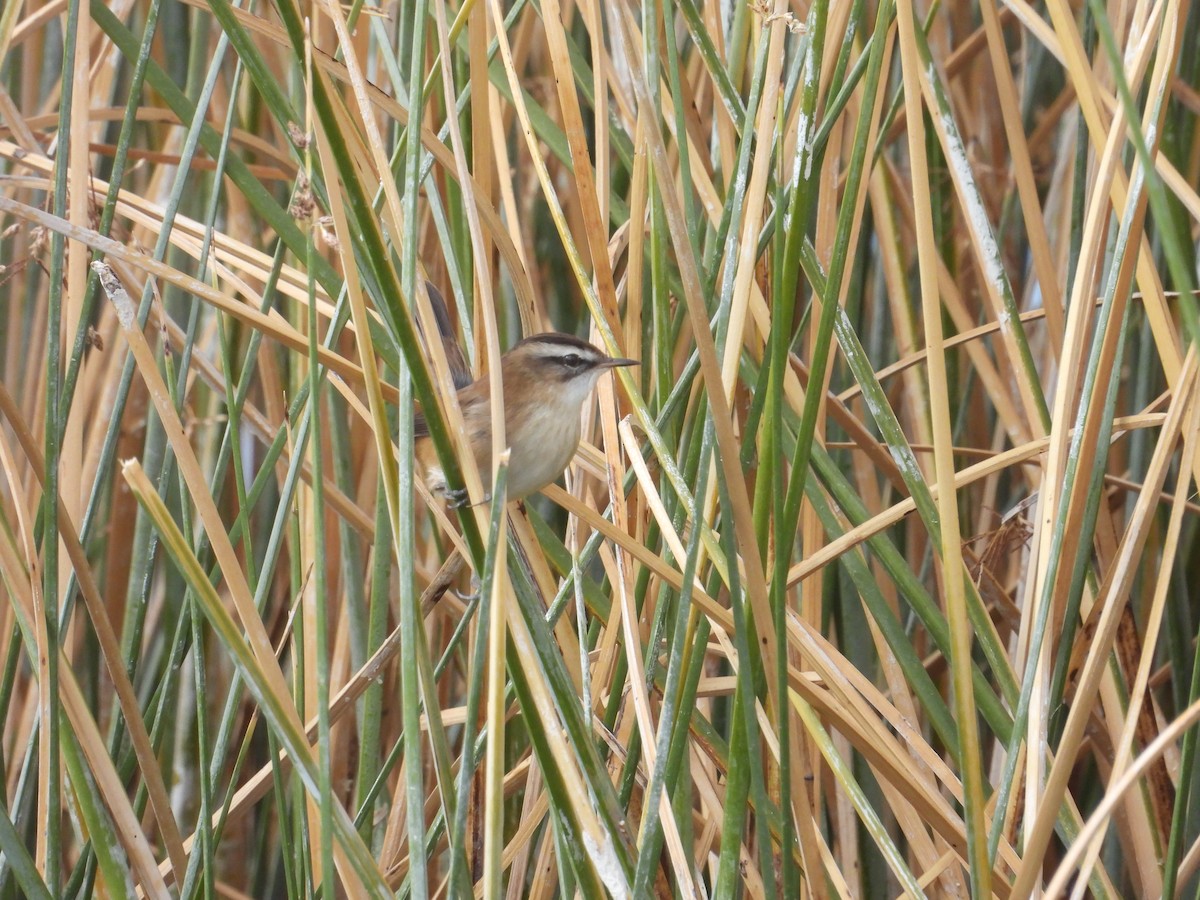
x,y
126,314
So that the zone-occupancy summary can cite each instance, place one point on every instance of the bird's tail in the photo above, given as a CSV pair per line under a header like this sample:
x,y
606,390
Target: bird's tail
x,y
460,372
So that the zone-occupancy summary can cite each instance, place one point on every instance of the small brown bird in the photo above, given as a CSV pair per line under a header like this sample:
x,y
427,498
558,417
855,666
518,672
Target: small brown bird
x,y
546,378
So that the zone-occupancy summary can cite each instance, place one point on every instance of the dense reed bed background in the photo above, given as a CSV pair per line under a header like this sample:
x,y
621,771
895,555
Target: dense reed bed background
x,y
878,576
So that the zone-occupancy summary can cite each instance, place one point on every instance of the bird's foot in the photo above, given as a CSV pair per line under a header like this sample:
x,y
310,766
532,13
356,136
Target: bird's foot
x,y
457,499
461,499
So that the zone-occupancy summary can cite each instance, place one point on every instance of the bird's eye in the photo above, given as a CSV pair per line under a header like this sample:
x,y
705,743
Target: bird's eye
x,y
572,360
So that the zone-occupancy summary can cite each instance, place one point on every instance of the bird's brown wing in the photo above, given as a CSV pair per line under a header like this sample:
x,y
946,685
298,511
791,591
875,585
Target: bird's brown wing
x,y
474,401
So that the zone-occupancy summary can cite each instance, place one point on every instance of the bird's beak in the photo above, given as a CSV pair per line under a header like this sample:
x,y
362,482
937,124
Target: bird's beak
x,y
617,363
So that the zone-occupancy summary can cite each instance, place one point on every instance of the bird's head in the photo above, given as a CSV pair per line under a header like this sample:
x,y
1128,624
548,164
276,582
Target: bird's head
x,y
558,368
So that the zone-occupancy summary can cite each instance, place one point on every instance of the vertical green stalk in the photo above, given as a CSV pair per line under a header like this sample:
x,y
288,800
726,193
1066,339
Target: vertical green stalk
x,y
805,170
410,610
371,707
737,789
53,425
